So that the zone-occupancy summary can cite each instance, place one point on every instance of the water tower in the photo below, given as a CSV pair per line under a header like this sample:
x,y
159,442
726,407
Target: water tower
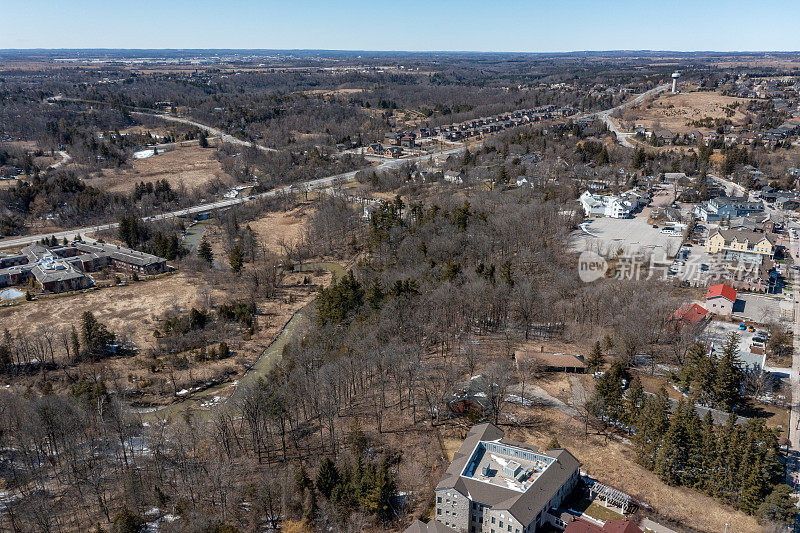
x,y
675,76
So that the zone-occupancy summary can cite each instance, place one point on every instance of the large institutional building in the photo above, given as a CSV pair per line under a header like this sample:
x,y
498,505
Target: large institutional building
x,y
66,268
495,485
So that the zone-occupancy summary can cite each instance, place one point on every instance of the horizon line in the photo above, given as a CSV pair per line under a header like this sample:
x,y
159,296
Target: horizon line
x,y
355,50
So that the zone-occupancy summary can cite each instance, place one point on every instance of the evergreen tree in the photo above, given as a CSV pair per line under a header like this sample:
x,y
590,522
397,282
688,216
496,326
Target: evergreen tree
x,y
671,456
639,158
327,477
375,294
779,506
728,377
609,390
203,140
652,424
204,251
708,450
301,479
595,359
634,401
237,260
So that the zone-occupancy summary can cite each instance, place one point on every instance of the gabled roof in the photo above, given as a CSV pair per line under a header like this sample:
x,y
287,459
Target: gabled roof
x,y
726,291
524,506
743,235
431,527
611,526
690,313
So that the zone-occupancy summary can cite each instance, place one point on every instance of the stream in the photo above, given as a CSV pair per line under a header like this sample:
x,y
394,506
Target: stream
x,y
204,400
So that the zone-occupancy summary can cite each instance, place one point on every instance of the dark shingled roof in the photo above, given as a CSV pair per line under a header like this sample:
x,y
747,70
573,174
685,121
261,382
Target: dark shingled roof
x,y
524,506
431,527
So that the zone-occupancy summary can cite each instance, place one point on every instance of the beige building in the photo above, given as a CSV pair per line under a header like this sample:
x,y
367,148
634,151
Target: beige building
x,y
498,486
741,241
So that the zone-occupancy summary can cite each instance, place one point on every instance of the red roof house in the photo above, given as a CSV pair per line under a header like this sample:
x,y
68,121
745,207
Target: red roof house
x,y
720,299
690,314
726,291
611,526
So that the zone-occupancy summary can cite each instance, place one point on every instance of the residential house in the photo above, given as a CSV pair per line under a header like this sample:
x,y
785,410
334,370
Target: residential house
x,y
451,176
595,205
726,207
720,299
741,241
375,149
689,315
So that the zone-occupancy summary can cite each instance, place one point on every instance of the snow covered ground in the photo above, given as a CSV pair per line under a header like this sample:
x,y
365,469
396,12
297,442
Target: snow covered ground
x,y
10,294
143,154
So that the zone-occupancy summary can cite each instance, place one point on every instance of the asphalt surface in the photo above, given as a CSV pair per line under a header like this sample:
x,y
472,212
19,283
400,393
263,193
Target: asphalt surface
x,y
208,129
319,183
622,136
308,185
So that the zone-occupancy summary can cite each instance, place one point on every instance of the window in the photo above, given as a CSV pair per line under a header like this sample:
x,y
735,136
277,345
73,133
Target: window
x,y
438,511
493,522
438,499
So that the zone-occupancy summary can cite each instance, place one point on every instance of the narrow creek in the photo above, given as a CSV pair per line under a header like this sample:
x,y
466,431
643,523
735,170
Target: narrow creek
x,y
204,401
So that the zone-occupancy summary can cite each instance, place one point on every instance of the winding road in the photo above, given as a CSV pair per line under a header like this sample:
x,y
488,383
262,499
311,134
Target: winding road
x,y
605,116
319,183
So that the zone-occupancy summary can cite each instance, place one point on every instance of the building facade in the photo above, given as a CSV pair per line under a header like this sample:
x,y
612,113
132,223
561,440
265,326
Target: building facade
x,y
494,485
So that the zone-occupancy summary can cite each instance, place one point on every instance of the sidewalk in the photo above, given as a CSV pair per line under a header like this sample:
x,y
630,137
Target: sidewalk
x,y
655,527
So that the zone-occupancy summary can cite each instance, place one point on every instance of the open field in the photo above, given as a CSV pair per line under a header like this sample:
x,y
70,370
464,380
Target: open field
x,y
131,310
271,229
192,166
675,111
134,311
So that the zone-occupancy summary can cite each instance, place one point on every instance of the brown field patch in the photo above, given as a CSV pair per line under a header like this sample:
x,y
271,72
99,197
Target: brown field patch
x,y
271,229
131,310
675,111
192,166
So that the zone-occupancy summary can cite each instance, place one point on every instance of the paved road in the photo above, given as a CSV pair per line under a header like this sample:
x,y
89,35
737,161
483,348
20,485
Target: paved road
x,y
319,183
793,455
622,137
655,526
209,129
308,185
65,158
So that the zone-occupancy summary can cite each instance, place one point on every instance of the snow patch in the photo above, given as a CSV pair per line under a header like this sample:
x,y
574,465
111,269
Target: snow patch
x,y
143,154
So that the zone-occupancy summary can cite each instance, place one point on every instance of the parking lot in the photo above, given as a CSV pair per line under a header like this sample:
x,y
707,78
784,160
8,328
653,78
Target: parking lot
x,y
763,309
631,235
717,333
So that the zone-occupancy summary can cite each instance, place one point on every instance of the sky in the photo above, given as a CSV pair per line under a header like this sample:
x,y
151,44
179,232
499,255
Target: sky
x,y
410,25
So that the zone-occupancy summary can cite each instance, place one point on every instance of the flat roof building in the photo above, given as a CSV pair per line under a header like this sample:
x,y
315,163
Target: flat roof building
x,y
494,484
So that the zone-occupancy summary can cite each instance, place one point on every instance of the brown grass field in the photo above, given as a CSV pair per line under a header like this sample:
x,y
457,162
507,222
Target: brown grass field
x,y
675,112
192,166
131,310
271,229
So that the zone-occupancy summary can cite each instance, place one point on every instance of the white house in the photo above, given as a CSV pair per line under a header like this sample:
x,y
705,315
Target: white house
x,y
596,205
453,177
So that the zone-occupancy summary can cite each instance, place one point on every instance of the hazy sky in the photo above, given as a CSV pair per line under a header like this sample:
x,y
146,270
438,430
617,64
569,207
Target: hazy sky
x,y
486,25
